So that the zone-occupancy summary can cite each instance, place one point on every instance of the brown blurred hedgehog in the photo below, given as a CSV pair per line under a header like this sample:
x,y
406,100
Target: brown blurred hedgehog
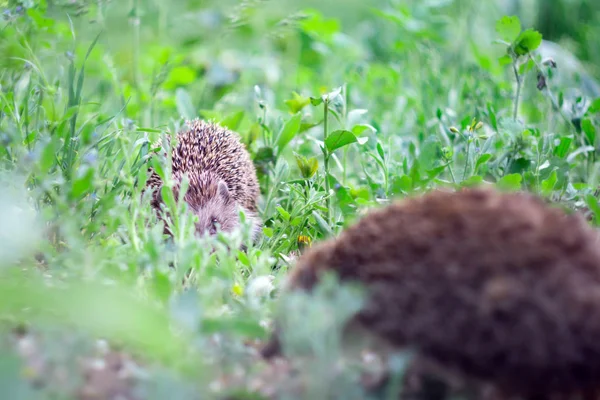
x,y
222,178
499,288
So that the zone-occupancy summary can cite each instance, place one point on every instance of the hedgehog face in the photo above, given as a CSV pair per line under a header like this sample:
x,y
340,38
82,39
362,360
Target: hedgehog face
x,y
216,212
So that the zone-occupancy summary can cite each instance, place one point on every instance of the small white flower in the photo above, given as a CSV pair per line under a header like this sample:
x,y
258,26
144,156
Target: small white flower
x,y
260,286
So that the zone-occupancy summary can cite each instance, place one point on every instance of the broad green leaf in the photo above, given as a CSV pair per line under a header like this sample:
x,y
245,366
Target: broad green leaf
x,y
289,130
341,138
510,182
268,232
315,101
482,160
526,67
401,184
590,131
181,76
505,60
211,114
161,286
48,156
83,184
360,128
594,107
549,183
508,28
474,180
297,102
233,120
243,258
563,147
528,41
296,221
284,214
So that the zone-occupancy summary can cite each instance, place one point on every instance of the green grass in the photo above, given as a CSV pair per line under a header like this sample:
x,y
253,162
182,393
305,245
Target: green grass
x,y
344,106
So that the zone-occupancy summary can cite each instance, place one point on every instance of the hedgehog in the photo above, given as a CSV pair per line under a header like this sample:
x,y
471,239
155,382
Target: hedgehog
x,y
222,178
500,288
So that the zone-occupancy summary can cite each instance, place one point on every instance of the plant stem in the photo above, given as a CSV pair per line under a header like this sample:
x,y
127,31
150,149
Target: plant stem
x,y
518,93
449,165
162,19
467,159
135,41
326,159
345,119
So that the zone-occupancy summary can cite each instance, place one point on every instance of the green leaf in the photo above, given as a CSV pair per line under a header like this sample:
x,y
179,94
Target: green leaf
x,y
360,128
48,157
289,130
149,130
161,286
549,183
380,151
168,198
505,60
315,101
474,180
508,28
284,214
401,184
593,205
563,147
526,67
308,167
434,172
211,114
242,326
158,168
296,221
594,107
322,224
482,160
83,184
181,76
243,258
297,102
528,41
341,138
510,182
590,131
233,120
264,155
268,232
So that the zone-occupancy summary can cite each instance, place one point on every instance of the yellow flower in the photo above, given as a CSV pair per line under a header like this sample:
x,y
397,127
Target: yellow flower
x,y
237,289
303,242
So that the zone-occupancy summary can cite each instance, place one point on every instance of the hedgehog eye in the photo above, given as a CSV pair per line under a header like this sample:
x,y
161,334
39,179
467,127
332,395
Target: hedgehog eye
x,y
213,225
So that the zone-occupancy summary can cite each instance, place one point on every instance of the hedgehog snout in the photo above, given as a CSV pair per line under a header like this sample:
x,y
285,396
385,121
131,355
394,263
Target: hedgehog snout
x,y
217,216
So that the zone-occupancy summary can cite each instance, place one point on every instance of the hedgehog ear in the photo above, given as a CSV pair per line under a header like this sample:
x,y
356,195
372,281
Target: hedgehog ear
x,y
223,191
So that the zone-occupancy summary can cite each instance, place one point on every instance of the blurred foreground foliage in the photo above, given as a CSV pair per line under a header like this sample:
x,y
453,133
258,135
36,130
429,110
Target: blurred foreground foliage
x,y
344,106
